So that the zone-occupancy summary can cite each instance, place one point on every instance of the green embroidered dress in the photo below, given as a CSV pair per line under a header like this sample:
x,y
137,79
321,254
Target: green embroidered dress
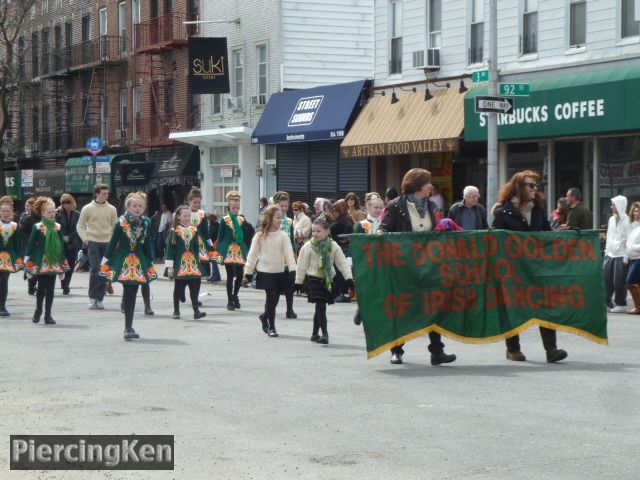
x,y
10,258
128,256
182,252
36,261
232,251
199,220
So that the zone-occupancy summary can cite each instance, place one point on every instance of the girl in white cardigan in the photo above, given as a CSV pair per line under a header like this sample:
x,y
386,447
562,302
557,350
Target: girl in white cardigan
x,y
268,249
316,261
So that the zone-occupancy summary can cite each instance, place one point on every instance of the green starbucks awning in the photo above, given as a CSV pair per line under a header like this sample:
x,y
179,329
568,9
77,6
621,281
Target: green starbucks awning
x,y
588,103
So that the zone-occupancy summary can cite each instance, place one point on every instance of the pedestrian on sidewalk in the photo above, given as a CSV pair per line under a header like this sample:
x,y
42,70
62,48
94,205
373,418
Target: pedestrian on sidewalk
x,y
10,250
95,227
233,238
164,225
615,271
269,246
468,213
199,220
127,258
182,262
44,257
281,199
632,258
520,208
28,219
374,205
316,262
67,216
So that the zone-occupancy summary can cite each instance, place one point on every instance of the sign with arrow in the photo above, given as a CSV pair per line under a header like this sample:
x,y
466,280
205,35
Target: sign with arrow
x,y
487,104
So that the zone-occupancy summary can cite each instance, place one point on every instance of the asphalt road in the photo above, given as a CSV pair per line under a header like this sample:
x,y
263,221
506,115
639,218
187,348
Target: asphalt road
x,y
245,406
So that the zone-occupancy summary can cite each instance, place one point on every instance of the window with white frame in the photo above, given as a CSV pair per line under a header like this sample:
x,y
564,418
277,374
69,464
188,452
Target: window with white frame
x,y
261,74
476,32
122,26
103,32
577,22
216,104
124,112
628,26
136,112
238,78
135,20
395,37
529,36
435,23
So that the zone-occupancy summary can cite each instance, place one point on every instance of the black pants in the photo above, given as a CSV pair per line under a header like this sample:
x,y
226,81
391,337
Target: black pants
x,y
234,279
288,289
4,288
548,340
129,293
273,297
97,286
46,290
32,284
615,274
179,288
320,318
339,284
71,259
146,294
435,345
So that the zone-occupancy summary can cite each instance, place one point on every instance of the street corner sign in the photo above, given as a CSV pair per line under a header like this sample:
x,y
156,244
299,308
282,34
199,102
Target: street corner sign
x,y
490,104
478,287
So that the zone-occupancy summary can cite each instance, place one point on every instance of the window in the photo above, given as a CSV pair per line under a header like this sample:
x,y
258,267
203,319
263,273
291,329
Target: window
x,y
168,6
35,125
577,23
103,32
124,111
45,52
21,61
68,41
261,57
529,38
477,32
86,28
122,26
435,23
34,55
238,77
629,27
135,20
136,112
45,128
216,104
395,43
57,53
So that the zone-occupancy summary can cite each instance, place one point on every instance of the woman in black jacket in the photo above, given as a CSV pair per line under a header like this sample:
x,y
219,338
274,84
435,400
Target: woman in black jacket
x,y
67,216
414,212
520,208
342,224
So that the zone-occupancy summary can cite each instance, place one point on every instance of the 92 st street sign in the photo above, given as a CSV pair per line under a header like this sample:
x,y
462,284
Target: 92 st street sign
x,y
489,104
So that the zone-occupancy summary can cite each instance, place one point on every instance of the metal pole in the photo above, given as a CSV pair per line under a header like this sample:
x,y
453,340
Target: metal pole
x,y
492,125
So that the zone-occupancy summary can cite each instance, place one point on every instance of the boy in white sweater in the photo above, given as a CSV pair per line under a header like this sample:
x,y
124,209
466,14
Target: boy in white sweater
x,y
615,270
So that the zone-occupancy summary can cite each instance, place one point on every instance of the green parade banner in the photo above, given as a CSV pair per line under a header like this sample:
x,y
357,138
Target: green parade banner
x,y
478,287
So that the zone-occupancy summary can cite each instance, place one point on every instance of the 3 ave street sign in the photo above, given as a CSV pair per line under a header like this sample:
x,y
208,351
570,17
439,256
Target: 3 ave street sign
x,y
486,104
480,76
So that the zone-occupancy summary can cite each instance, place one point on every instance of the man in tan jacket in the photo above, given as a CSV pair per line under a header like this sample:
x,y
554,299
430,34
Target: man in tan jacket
x,y
95,227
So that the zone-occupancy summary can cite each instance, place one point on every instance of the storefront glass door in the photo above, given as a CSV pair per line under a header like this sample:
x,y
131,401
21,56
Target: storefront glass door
x,y
224,162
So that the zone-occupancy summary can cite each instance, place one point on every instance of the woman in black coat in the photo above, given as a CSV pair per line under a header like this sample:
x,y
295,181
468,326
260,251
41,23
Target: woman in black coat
x,y
67,216
520,208
414,212
342,224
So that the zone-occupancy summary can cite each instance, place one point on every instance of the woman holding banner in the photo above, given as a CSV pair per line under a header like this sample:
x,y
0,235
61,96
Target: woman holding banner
x,y
520,208
414,212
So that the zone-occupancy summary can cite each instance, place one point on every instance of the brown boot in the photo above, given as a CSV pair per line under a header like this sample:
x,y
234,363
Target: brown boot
x,y
516,356
634,290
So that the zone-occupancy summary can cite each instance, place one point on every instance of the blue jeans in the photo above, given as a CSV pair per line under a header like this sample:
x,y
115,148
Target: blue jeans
x,y
633,277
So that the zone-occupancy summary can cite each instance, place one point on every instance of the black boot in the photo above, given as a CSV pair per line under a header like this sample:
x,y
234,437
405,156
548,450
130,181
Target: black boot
x,y
176,310
441,357
236,302
197,314
36,316
147,309
48,319
130,334
291,314
3,312
324,339
230,305
272,329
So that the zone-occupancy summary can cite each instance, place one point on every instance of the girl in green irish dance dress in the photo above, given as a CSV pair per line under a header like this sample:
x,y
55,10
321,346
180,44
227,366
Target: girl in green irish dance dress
x,y
10,257
181,260
128,256
44,257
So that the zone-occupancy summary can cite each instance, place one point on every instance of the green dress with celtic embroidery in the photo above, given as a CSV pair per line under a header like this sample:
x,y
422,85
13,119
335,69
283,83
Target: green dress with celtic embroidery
x,y
129,254
182,249
10,257
38,263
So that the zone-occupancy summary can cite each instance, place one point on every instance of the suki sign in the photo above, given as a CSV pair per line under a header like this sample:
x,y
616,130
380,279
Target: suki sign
x,y
305,111
561,108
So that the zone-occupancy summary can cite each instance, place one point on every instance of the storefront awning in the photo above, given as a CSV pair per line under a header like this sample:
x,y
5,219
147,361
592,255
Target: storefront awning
x,y
132,173
215,137
592,102
310,115
411,125
46,183
175,161
78,171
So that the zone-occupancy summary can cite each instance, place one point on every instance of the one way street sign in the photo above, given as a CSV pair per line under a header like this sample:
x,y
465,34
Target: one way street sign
x,y
493,104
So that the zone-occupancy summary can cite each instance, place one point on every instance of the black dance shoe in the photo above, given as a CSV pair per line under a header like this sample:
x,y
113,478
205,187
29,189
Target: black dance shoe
x,y
314,338
324,340
291,314
236,302
231,307
396,359
148,311
197,314
4,312
36,316
265,323
273,333
48,319
440,358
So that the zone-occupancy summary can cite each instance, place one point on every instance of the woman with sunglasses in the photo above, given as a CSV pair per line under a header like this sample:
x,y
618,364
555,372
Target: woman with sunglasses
x,y
520,208
67,216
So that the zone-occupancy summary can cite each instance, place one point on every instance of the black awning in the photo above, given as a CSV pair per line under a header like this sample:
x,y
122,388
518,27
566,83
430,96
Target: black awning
x,y
133,173
175,161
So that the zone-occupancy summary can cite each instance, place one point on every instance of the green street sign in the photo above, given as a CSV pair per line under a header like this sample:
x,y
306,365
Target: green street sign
x,y
480,76
514,89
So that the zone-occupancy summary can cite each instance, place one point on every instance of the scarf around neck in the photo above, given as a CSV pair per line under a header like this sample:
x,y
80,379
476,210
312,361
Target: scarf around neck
x,y
136,227
237,228
421,205
325,263
52,242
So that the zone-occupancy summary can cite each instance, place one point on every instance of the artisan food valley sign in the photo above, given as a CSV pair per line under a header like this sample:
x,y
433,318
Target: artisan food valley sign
x,y
400,148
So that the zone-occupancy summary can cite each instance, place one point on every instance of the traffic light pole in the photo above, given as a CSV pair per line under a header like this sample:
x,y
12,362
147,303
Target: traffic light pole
x,y
492,125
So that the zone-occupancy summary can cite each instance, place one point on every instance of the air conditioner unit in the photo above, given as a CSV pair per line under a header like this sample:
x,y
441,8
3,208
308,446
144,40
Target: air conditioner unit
x,y
128,84
418,59
235,104
121,134
433,59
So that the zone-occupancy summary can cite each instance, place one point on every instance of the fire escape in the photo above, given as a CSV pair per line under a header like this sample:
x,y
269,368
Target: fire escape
x,y
157,68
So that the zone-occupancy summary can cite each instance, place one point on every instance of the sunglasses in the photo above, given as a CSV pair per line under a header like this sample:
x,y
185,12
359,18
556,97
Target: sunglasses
x,y
532,186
